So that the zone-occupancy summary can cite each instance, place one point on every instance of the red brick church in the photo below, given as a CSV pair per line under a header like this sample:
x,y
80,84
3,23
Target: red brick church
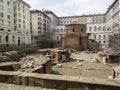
x,y
76,36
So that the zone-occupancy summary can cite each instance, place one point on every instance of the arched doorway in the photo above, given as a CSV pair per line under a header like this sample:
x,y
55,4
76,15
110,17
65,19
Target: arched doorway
x,y
18,40
7,40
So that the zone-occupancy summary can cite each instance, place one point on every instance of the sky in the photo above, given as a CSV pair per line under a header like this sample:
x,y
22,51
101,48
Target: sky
x,y
71,7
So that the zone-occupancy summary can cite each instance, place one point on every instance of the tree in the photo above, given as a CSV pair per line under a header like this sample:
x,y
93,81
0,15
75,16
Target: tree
x,y
43,41
114,43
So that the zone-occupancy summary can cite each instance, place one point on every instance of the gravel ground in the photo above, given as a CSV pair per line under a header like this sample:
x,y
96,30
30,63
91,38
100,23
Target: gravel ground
x,y
87,69
4,86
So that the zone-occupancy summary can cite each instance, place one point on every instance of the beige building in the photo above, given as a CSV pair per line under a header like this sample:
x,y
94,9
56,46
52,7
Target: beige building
x,y
113,24
40,24
53,17
113,17
14,22
95,25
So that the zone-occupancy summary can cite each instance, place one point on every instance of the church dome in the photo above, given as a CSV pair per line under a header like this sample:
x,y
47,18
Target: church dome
x,y
76,22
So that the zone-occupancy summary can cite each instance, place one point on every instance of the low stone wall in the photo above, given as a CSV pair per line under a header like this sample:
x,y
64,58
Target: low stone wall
x,y
57,82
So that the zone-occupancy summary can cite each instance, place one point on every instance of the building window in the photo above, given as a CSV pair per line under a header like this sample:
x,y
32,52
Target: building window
x,y
19,15
82,30
95,28
1,0
13,39
99,28
1,22
72,37
24,16
23,26
95,37
73,30
19,26
8,23
8,16
104,41
104,37
39,27
23,21
104,28
93,19
99,36
7,38
57,30
61,30
39,32
19,20
99,41
8,3
57,37
1,29
23,9
90,28
1,14
1,7
8,10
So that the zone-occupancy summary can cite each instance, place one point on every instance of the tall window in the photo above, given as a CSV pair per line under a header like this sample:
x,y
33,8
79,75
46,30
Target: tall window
x,y
8,16
57,37
99,36
19,25
1,7
104,36
94,36
99,28
57,30
95,28
1,14
73,30
8,3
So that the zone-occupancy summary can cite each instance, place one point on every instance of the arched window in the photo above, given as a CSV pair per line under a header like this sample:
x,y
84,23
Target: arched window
x,y
57,30
104,36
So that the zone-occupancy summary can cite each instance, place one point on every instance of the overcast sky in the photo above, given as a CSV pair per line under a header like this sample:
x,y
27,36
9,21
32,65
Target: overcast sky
x,y
71,7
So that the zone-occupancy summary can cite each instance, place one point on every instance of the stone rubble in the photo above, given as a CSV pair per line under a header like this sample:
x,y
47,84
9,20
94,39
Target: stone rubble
x,y
31,62
11,56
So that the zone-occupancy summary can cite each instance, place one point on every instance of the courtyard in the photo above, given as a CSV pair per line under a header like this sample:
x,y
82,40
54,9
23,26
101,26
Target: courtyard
x,y
86,68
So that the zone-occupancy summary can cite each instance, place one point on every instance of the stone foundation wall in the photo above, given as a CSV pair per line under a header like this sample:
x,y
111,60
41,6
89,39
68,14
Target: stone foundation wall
x,y
57,82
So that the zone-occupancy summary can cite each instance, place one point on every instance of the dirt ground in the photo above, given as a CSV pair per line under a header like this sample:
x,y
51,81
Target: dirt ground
x,y
85,69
